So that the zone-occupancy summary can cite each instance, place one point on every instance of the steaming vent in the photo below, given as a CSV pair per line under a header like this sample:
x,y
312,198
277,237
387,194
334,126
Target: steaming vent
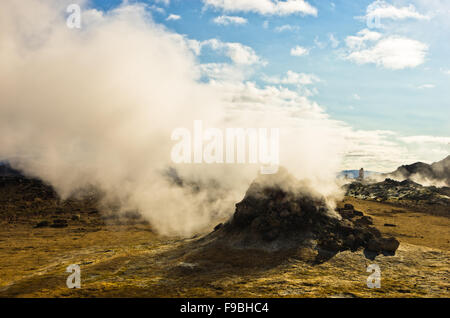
x,y
281,213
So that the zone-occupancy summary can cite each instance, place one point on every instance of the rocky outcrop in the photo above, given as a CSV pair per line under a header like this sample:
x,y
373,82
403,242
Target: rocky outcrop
x,y
279,213
7,171
399,191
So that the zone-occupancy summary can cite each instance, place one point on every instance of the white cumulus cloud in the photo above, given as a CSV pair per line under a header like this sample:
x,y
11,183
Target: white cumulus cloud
x,y
383,10
287,27
356,97
358,41
237,52
333,41
426,139
393,52
173,17
264,7
226,20
425,86
299,51
293,78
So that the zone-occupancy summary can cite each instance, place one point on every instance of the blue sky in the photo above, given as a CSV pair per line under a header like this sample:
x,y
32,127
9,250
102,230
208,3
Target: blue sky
x,y
375,65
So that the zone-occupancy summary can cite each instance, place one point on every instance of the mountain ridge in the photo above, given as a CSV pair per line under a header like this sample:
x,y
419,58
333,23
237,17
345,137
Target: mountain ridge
x,y
438,171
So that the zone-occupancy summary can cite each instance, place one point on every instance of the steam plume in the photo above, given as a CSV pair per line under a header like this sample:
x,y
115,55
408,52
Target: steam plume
x,y
97,106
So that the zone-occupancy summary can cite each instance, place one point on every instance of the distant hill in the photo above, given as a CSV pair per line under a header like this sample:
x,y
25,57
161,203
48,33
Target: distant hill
x,y
419,171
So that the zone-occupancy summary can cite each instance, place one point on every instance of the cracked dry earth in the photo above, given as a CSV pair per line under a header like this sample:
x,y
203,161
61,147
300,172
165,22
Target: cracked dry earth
x,y
127,259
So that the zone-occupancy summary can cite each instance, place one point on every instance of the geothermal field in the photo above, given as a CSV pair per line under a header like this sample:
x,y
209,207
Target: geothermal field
x,y
280,242
224,149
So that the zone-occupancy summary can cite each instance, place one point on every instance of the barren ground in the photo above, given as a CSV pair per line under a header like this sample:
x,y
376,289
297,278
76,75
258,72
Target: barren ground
x,y
126,258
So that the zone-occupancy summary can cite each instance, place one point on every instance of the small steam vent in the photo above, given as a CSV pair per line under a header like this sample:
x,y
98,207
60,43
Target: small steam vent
x,y
279,212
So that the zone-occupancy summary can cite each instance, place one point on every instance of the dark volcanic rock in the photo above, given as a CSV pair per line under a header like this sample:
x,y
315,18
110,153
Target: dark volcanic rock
x,y
7,171
28,189
59,223
381,245
279,212
42,224
395,190
363,221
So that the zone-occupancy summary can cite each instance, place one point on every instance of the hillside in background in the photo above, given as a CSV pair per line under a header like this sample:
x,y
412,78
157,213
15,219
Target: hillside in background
x,y
423,173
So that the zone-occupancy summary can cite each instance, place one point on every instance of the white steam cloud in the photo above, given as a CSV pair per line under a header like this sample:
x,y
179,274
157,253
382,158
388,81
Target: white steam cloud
x,y
97,106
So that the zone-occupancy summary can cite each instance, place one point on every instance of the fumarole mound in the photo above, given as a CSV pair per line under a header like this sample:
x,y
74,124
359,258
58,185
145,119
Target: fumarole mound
x,y
279,212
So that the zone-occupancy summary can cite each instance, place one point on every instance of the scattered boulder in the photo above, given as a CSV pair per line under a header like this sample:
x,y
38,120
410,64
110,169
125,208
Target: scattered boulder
x,y
363,221
42,224
349,212
186,268
59,223
388,245
93,211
